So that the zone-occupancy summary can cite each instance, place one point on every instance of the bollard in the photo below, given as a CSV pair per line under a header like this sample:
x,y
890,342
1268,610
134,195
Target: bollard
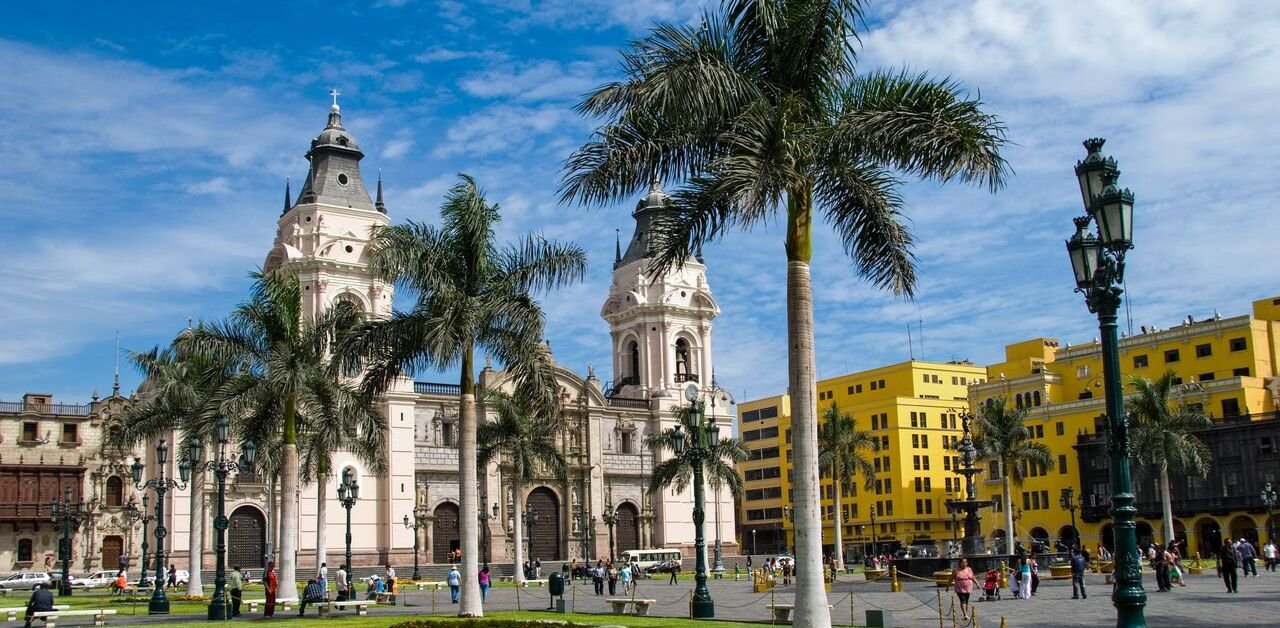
x,y
433,599
1003,624
894,586
1004,575
939,592
851,622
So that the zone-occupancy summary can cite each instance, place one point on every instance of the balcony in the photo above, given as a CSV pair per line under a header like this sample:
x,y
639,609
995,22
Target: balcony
x,y
627,402
60,409
437,388
686,377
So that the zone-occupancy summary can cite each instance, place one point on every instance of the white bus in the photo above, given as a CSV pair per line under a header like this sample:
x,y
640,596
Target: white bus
x,y
650,557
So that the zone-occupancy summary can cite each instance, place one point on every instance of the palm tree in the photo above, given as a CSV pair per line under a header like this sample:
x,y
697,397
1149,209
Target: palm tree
x,y
180,396
525,440
471,295
1162,437
842,447
343,421
1000,435
760,112
285,378
719,467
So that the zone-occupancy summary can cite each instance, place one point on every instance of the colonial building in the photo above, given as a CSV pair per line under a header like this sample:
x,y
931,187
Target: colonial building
x,y
660,328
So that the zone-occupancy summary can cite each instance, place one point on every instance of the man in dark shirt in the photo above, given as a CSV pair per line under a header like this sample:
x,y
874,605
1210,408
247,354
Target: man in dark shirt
x,y
1078,564
41,601
310,595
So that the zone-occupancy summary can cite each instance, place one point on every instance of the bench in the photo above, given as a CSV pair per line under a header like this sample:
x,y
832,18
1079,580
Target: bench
x,y
620,605
12,612
361,606
285,603
533,583
99,615
506,578
422,586
782,612
385,597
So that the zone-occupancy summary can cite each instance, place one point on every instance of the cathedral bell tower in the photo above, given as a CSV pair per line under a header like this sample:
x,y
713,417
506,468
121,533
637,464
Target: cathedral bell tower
x,y
660,324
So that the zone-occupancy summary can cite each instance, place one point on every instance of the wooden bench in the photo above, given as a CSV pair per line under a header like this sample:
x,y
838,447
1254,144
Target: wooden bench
x,y
620,605
782,612
361,606
99,615
285,604
12,612
534,583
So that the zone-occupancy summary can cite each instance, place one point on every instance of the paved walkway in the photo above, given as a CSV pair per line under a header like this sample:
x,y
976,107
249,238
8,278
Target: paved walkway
x,y
1202,603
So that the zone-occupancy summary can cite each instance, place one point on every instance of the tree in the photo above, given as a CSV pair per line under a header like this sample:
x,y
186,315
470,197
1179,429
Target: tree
x,y
760,112
525,440
1162,437
719,467
1000,435
285,379
470,294
180,394
842,447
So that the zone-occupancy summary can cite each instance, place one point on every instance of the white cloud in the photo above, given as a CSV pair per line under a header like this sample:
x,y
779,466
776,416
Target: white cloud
x,y
537,80
397,148
502,128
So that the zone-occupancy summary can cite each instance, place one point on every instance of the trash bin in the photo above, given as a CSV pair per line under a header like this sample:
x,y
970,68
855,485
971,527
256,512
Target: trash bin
x,y
556,583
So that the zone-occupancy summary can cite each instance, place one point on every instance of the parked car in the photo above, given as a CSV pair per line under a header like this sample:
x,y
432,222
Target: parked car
x,y
26,580
663,567
95,579
182,575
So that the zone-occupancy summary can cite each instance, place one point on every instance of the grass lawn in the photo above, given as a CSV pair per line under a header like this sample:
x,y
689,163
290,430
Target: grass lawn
x,y
630,621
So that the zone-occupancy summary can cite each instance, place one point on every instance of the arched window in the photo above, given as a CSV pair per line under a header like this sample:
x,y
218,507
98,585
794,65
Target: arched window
x,y
684,367
115,491
1035,397
1018,400
24,550
633,354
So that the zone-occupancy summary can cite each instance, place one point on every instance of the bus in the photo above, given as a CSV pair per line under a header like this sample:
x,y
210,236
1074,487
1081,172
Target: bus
x,y
650,557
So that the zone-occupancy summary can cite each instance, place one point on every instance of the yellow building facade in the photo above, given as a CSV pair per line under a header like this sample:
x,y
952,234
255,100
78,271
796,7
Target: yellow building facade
x,y
1225,366
913,410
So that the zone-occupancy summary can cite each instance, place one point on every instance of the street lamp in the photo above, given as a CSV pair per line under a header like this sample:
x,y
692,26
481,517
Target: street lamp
x,y
68,515
1269,501
788,514
875,540
609,517
1098,265
1068,502
531,518
135,515
586,523
705,433
161,484
418,522
221,466
714,392
348,494
485,539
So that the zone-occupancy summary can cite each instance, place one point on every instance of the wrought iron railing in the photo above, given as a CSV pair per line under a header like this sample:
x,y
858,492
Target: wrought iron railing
x,y
64,409
686,377
628,402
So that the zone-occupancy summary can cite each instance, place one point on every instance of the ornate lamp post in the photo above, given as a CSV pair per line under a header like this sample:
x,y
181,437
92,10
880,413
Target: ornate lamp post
x,y
221,466
704,433
162,484
485,538
586,523
145,517
787,515
530,521
875,540
416,524
1068,502
1269,502
1098,265
348,493
68,515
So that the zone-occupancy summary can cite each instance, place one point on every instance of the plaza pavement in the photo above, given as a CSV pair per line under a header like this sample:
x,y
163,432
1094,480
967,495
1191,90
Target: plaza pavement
x,y
1202,603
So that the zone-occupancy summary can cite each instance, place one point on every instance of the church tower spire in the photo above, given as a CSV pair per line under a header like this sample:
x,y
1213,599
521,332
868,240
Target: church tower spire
x,y
381,206
288,198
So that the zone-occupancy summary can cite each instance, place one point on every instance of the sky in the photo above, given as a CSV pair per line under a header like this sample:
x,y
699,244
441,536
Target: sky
x,y
146,148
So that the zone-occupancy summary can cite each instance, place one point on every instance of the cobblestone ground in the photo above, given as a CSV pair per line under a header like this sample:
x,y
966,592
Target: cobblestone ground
x,y
1203,602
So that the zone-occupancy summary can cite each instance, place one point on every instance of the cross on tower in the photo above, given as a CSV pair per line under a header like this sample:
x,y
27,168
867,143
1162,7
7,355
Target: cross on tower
x,y
335,93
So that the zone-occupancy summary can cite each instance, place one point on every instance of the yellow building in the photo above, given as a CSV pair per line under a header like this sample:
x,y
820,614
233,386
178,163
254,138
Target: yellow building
x,y
1225,366
913,409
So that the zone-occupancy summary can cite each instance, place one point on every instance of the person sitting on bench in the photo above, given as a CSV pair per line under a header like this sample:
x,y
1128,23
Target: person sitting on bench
x,y
312,594
41,602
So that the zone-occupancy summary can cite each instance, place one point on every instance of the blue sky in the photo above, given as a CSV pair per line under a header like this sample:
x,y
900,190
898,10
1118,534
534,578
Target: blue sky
x,y
146,147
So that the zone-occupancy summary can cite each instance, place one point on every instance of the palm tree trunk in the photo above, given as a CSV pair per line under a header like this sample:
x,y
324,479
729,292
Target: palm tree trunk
x,y
839,521
1166,504
322,554
469,605
1008,511
517,487
195,540
287,557
811,597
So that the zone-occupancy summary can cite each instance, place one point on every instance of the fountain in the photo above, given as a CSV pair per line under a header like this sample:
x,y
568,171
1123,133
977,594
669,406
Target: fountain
x,y
973,543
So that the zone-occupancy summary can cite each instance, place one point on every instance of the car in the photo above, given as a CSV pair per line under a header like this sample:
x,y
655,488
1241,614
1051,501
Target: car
x,y
96,579
26,580
182,576
663,567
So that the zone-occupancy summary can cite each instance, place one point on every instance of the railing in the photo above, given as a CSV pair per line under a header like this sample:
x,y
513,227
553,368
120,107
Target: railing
x,y
627,402
65,409
437,388
686,377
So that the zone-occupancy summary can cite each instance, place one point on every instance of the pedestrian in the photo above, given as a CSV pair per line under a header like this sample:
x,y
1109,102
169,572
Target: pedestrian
x,y
41,601
537,568
391,580
675,573
1270,555
322,577
1025,571
1248,566
613,579
484,584
963,580
1228,561
173,576
311,594
737,570
270,584
1175,566
344,585
1161,565
597,578
1015,578
1078,565
1035,574
236,583
625,575
455,583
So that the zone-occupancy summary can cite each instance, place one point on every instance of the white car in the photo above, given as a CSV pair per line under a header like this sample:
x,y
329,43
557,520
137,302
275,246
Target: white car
x,y
26,580
95,579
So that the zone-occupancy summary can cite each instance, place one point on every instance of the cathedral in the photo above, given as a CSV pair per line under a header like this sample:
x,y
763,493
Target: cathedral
x,y
660,333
